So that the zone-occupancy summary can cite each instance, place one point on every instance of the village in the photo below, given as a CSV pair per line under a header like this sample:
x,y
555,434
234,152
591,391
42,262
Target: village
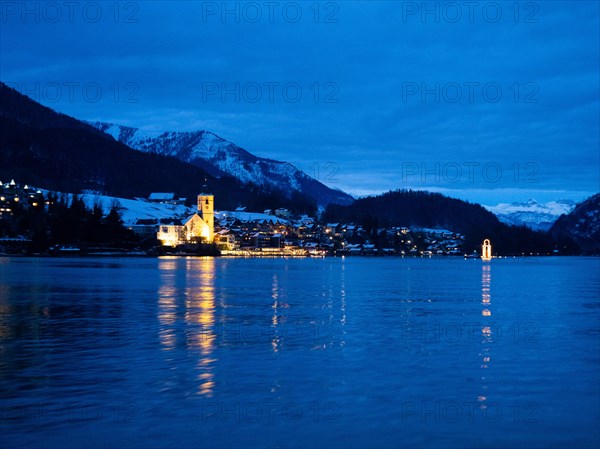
x,y
279,232
174,228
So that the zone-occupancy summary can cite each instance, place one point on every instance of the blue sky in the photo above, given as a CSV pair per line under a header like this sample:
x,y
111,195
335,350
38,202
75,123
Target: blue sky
x,y
490,102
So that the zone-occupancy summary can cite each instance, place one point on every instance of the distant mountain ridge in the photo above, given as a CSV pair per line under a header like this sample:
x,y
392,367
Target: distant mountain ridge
x,y
534,215
582,225
220,157
42,147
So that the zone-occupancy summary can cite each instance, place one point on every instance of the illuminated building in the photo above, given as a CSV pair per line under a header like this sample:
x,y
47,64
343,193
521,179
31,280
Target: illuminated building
x,y
197,228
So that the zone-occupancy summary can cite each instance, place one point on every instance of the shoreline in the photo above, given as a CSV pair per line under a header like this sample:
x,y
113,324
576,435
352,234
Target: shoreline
x,y
250,255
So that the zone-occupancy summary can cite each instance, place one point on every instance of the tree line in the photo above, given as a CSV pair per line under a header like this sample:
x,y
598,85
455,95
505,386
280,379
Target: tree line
x,y
62,219
413,208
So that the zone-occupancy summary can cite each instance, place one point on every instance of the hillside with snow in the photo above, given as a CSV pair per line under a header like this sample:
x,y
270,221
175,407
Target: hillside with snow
x,y
219,157
537,216
132,210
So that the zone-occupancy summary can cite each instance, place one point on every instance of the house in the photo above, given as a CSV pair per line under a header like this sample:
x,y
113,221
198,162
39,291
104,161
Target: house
x,y
144,227
368,249
283,213
169,234
225,239
165,198
332,228
13,195
267,240
160,197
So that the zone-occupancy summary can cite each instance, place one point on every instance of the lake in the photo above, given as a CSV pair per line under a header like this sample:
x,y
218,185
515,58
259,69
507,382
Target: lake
x,y
334,352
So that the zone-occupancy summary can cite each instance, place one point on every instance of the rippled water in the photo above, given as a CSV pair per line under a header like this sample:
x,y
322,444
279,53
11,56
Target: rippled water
x,y
354,352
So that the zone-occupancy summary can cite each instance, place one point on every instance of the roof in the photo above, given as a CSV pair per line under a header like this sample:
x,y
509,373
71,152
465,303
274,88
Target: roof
x,y
190,217
14,239
161,196
146,221
169,222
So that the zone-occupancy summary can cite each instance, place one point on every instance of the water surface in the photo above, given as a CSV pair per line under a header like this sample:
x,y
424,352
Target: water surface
x,y
335,352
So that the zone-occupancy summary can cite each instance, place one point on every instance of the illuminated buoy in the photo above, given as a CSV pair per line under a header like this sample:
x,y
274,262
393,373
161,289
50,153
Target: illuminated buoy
x,y
486,250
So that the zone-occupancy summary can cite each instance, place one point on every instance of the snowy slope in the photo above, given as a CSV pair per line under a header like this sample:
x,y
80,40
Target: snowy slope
x,y
249,216
218,157
538,216
132,210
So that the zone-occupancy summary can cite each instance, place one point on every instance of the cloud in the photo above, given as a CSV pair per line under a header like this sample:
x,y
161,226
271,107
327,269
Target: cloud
x,y
357,74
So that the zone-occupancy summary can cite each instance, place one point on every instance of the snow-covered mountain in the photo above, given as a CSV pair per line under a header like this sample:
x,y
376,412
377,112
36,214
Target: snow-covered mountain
x,y
538,216
219,157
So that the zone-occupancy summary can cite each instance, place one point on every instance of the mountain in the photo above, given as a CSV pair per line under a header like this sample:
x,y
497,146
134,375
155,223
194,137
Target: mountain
x,y
534,215
220,157
582,225
433,210
41,147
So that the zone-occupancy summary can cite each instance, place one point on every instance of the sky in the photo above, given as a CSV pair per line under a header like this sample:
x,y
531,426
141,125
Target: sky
x,y
485,101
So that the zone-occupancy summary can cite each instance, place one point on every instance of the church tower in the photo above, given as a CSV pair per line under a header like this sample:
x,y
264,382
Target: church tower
x,y
206,204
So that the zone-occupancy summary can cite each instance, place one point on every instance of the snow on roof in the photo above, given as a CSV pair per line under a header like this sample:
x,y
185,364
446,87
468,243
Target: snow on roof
x,y
189,217
433,230
161,196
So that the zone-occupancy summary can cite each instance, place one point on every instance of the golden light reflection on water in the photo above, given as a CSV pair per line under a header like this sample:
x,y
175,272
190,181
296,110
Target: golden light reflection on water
x,y
200,317
198,290
486,329
167,307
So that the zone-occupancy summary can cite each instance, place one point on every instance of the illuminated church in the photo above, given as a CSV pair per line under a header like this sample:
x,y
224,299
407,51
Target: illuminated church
x,y
197,228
